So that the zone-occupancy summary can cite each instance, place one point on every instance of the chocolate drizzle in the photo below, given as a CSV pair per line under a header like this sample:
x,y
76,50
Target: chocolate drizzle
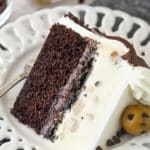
x,y
131,55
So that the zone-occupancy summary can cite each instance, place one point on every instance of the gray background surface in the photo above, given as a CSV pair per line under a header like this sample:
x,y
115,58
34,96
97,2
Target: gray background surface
x,y
138,8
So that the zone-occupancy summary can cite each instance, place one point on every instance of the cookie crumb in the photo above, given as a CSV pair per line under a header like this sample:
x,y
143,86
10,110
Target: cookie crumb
x,y
85,95
110,142
116,139
98,148
121,132
143,53
97,83
114,53
84,87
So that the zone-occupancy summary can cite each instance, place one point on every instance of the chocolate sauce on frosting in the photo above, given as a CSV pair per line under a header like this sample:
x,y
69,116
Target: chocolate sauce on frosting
x,y
131,55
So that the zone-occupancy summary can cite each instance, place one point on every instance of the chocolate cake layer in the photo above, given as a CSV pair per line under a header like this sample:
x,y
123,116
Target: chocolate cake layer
x,y
55,80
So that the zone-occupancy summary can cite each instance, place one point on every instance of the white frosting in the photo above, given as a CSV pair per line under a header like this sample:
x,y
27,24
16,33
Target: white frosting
x,y
140,84
95,117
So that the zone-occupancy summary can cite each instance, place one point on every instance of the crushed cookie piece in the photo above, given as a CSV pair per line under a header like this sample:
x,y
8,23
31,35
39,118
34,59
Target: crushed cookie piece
x,y
85,95
110,142
98,148
97,83
121,132
84,87
143,53
116,139
114,53
82,117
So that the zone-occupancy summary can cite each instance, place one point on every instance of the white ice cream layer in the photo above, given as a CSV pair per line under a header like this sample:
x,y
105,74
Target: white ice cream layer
x,y
95,116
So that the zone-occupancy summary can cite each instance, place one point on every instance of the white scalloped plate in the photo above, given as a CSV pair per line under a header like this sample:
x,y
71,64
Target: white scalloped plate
x,y
23,40
7,12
